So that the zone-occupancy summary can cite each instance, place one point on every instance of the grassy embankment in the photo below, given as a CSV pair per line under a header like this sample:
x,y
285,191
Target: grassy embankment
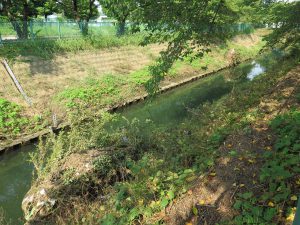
x,y
163,164
64,74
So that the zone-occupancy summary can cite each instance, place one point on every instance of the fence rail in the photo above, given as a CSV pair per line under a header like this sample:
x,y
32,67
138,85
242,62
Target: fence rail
x,y
10,31
21,30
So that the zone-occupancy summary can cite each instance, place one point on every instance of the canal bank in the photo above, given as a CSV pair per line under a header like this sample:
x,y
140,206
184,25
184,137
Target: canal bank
x,y
170,107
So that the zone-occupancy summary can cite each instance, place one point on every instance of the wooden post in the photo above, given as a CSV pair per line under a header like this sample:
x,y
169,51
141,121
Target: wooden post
x,y
16,82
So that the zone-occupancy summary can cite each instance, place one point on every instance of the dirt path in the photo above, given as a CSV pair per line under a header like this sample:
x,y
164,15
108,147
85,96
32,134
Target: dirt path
x,y
212,195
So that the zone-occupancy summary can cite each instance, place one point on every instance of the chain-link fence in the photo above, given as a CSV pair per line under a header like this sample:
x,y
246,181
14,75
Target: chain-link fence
x,y
14,31
32,30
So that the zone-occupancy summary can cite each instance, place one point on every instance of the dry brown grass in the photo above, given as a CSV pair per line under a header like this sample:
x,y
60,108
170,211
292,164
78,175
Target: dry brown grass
x,y
43,79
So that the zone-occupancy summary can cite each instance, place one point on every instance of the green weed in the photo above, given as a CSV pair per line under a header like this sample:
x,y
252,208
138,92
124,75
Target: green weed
x,y
11,119
92,92
279,176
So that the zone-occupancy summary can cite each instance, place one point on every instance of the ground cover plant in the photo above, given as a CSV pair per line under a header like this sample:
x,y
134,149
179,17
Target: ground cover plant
x,y
279,176
10,117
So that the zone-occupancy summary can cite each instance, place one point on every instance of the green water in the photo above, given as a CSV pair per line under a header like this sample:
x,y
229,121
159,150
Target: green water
x,y
167,109
175,105
15,180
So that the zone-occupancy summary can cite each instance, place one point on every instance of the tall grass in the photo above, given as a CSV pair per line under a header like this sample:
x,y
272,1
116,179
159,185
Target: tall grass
x,y
46,49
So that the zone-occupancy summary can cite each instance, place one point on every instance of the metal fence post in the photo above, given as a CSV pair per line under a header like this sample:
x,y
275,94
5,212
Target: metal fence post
x,y
31,29
80,27
59,30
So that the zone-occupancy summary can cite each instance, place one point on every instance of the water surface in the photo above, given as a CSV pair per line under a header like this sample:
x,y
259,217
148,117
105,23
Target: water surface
x,y
15,180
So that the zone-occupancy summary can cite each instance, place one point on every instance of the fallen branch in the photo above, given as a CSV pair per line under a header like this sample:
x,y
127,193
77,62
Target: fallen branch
x,y
16,82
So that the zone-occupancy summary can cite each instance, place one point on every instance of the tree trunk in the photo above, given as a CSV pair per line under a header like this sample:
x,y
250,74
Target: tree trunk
x,y
21,28
75,10
121,28
24,27
84,27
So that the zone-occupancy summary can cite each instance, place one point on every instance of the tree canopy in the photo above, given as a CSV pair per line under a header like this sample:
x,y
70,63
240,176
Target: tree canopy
x,y
19,12
81,11
285,18
121,10
189,27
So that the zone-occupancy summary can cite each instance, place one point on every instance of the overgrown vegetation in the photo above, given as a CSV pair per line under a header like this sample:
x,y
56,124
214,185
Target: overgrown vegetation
x,y
279,176
46,49
103,92
164,161
98,91
112,89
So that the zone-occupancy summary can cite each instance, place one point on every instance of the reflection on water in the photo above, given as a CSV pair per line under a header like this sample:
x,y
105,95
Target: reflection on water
x,y
256,70
172,107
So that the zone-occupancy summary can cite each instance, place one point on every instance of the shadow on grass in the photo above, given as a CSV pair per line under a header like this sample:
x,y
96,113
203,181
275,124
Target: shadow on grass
x,y
33,51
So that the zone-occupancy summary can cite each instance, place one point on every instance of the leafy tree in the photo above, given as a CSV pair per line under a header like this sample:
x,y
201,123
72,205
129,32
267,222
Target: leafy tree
x,y
80,10
48,8
19,12
189,27
120,10
284,16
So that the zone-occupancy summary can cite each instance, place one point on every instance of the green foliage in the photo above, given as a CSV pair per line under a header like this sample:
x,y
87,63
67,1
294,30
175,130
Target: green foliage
x,y
162,162
278,175
251,212
284,15
140,77
94,91
287,147
10,117
211,22
56,147
152,189
46,49
119,10
19,12
82,11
